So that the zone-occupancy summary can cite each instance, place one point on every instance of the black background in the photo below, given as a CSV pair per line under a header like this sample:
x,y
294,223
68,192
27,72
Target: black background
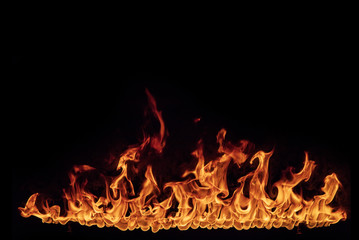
x,y
75,109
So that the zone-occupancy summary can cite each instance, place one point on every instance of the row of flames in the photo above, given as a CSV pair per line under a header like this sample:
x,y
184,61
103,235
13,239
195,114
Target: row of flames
x,y
201,199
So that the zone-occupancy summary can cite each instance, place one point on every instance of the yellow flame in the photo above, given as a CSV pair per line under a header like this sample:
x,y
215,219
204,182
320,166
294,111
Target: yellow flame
x,y
201,199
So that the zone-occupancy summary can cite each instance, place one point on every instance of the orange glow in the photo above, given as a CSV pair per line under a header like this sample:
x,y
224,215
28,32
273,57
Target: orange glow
x,y
201,199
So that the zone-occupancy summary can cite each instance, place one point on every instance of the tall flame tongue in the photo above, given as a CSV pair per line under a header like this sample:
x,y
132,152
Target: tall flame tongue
x,y
201,199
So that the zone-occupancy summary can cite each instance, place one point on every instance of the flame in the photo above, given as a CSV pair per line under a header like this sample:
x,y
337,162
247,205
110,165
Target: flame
x,y
201,199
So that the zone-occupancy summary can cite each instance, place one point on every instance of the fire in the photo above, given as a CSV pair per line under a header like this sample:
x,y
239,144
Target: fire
x,y
201,199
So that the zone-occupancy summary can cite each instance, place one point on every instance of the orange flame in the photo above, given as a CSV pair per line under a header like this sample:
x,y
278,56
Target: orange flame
x,y
201,199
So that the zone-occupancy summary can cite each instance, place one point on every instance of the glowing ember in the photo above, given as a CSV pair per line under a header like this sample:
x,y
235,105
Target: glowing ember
x,y
201,199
